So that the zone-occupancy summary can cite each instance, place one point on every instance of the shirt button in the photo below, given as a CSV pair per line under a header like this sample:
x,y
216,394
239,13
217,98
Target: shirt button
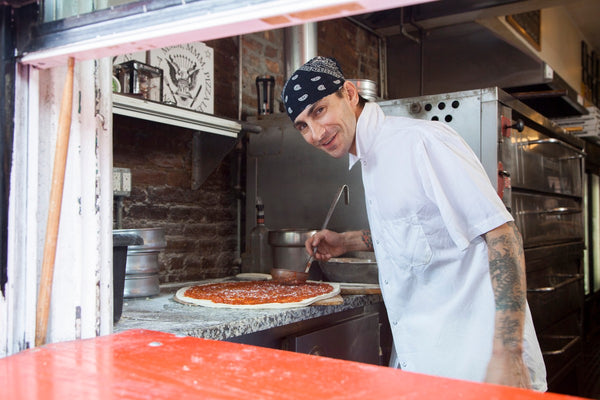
x,y
395,323
403,364
385,281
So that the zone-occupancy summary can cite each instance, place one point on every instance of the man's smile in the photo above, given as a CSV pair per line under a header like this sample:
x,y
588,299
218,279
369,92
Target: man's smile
x,y
329,140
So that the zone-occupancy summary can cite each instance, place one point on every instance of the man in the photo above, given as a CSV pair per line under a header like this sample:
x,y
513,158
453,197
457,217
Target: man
x,y
450,258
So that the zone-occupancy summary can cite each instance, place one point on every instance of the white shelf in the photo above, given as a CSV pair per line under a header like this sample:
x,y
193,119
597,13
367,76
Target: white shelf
x,y
171,115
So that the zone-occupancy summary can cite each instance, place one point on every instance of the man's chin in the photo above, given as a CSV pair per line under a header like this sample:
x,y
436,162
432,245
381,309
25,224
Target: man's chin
x,y
335,153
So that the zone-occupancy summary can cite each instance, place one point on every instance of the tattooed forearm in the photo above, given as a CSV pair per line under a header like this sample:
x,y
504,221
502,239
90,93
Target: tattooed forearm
x,y
507,269
507,272
509,331
365,236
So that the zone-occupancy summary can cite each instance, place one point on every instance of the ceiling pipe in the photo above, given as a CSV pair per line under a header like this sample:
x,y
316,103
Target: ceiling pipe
x,y
404,31
300,46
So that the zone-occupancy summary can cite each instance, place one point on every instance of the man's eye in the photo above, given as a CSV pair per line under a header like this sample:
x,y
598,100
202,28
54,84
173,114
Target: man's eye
x,y
319,110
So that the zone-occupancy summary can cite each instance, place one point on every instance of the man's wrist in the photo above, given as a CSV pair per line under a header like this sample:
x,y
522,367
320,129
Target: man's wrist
x,y
357,241
365,236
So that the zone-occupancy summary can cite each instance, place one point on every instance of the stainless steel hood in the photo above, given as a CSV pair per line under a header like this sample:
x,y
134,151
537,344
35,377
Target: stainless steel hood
x,y
549,95
469,56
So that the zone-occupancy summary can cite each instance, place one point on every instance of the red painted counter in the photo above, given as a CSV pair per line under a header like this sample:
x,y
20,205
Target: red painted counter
x,y
141,364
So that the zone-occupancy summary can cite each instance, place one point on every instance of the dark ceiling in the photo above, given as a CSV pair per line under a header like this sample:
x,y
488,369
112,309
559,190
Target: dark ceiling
x,y
583,13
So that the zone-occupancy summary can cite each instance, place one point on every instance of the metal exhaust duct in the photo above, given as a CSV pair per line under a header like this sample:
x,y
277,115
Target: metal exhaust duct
x,y
300,46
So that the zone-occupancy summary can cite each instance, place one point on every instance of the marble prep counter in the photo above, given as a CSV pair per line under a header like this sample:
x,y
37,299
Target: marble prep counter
x,y
266,328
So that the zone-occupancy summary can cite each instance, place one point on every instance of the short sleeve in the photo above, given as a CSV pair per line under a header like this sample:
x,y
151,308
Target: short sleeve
x,y
454,179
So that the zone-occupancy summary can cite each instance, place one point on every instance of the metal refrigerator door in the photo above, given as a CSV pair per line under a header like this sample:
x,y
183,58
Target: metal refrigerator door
x,y
356,339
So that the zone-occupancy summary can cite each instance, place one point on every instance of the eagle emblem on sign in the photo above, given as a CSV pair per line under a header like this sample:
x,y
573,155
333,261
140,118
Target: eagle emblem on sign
x,y
187,75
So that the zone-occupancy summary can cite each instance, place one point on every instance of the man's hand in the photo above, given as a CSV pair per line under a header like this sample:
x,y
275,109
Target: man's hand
x,y
332,244
507,271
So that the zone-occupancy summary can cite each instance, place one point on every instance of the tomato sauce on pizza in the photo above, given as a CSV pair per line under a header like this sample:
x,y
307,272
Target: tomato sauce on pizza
x,y
257,292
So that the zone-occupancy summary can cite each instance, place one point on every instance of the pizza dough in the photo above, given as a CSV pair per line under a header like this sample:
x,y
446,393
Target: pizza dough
x,y
250,288
253,276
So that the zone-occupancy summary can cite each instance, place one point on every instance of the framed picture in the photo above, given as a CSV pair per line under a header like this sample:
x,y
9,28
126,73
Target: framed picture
x,y
188,71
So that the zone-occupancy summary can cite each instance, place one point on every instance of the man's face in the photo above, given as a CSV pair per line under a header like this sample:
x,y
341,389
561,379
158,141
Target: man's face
x,y
330,123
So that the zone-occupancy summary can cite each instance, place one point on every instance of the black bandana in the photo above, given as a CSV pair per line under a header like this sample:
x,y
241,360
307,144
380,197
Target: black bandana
x,y
316,79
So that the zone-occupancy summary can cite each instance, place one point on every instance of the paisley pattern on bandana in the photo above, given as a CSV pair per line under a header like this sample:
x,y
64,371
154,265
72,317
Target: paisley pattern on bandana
x,y
316,79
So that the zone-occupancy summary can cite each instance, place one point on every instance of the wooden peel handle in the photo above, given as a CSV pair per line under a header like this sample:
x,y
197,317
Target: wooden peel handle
x,y
56,193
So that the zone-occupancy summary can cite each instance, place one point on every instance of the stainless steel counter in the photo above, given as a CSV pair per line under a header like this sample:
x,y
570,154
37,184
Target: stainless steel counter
x,y
162,313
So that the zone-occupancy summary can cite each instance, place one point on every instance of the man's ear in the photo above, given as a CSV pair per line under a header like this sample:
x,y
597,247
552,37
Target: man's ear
x,y
351,92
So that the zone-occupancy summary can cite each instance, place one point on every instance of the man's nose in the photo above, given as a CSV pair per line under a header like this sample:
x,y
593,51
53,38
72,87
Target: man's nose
x,y
318,133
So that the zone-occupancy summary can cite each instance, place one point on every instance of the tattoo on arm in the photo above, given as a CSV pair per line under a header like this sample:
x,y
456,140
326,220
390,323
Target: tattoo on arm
x,y
505,255
510,331
365,236
507,271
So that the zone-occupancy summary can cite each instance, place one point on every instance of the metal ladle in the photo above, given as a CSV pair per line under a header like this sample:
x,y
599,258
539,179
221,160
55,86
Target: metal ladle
x,y
296,277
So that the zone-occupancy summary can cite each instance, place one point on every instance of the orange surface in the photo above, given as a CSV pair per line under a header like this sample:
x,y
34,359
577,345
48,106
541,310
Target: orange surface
x,y
141,364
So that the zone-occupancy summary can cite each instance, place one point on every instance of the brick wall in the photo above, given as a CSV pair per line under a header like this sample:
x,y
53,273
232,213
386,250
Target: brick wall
x,y
355,49
200,225
262,54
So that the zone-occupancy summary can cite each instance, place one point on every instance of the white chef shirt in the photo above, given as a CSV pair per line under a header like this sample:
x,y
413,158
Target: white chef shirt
x,y
429,201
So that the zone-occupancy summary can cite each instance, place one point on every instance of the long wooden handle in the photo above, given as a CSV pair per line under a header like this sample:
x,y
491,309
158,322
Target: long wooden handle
x,y
56,193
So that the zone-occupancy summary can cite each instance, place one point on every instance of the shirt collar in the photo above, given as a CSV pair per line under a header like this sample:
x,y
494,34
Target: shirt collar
x,y
369,123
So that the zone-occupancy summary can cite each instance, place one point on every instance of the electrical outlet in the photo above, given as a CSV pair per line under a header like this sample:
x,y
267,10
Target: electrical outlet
x,y
126,181
121,182
116,180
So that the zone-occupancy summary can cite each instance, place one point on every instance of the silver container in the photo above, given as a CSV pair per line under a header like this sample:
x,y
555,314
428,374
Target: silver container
x,y
141,285
142,267
142,262
288,248
353,267
366,88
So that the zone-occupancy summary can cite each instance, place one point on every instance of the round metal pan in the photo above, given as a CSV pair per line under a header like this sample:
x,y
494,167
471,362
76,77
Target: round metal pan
x,y
356,267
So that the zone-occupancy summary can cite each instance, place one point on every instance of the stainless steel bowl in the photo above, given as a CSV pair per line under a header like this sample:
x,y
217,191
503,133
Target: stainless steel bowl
x,y
354,267
290,237
288,248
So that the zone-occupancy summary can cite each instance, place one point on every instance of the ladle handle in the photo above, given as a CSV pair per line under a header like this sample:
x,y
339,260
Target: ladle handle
x,y
310,261
336,199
